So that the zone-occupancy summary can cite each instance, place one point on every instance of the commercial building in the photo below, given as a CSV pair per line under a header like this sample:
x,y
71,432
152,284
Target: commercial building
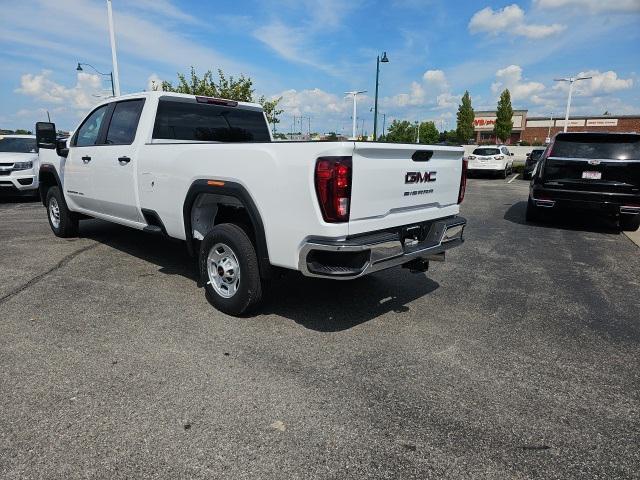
x,y
537,129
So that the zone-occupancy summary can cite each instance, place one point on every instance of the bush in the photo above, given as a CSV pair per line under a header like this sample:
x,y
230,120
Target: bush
x,y
524,143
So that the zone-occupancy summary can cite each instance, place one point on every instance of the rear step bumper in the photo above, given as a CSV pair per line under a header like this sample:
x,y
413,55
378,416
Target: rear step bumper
x,y
358,256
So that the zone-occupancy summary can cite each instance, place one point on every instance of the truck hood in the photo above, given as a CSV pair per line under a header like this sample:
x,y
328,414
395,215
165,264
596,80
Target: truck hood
x,y
12,157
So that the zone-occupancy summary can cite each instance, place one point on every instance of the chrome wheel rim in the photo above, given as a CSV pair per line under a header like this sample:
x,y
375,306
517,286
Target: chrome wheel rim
x,y
223,269
54,212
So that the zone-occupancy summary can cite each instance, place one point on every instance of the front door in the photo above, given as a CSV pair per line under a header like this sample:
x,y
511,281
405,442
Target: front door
x,y
79,166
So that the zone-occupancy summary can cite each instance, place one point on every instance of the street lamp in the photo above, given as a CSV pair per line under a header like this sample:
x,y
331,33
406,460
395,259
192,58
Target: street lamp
x,y
384,59
110,75
571,81
355,94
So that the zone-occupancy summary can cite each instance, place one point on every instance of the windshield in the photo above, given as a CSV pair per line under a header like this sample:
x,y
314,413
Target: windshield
x,y
535,154
486,151
18,145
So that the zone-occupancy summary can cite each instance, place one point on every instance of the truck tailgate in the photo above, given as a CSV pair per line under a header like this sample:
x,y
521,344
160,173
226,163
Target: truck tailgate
x,y
400,184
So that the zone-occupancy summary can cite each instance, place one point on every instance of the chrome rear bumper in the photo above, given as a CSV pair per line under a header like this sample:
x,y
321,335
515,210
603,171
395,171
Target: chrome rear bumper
x,y
354,257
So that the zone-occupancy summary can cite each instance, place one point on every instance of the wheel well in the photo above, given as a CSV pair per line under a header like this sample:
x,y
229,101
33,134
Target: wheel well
x,y
211,209
46,180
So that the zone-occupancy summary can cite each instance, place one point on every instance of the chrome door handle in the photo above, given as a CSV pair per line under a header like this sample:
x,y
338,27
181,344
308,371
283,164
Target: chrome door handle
x,y
86,159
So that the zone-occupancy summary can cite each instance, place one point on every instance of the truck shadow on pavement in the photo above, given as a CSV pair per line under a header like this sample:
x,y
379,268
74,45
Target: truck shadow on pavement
x,y
565,221
316,304
333,306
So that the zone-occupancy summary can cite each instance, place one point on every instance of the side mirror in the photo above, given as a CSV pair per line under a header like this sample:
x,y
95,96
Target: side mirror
x,y
46,135
61,147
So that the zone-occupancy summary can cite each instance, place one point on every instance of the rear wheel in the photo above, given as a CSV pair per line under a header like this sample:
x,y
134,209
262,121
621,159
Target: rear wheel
x,y
504,173
63,222
229,270
629,223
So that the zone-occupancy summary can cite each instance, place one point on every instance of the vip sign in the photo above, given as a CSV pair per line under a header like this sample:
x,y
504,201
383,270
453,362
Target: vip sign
x,y
487,123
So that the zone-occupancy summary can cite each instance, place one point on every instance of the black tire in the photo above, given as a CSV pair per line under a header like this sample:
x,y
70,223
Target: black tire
x,y
63,222
241,254
629,223
534,213
504,173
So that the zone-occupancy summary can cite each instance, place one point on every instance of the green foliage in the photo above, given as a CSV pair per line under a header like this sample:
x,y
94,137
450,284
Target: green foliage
x,y
504,114
429,133
524,143
231,88
405,132
21,131
332,136
401,132
271,109
465,117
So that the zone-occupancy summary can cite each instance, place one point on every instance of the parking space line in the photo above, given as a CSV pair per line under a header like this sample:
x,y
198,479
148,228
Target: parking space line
x,y
514,177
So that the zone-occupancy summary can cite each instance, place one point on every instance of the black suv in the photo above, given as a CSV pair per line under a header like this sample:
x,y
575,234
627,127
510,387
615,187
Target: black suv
x,y
597,172
532,158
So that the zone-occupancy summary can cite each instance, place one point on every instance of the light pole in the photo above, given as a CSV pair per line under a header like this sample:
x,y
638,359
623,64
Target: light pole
x,y
384,59
571,81
418,131
110,75
549,130
355,94
115,79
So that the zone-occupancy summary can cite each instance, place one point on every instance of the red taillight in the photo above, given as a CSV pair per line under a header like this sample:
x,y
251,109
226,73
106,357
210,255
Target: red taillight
x,y
333,187
463,181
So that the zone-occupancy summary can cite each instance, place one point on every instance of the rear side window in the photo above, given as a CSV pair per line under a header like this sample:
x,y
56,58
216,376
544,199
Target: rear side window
x,y
536,154
90,128
124,122
486,151
616,147
178,120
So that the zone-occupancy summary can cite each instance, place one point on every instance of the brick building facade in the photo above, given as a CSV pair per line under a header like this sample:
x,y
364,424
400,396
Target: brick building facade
x,y
536,129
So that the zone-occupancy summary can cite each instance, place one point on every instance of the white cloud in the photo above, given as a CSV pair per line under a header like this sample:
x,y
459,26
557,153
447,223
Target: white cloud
x,y
436,79
511,20
511,77
602,83
154,82
81,96
415,97
313,101
598,6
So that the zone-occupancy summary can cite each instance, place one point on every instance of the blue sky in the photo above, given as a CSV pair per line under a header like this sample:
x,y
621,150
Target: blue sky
x,y
310,52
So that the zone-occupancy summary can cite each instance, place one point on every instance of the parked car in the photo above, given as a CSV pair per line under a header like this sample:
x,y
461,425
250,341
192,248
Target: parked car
x,y
18,165
595,172
206,171
532,158
494,159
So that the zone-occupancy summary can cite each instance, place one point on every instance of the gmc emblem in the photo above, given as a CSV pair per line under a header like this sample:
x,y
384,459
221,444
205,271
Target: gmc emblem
x,y
417,177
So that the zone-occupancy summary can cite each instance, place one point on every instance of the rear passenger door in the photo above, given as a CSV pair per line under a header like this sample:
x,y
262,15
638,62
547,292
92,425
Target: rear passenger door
x,y
115,165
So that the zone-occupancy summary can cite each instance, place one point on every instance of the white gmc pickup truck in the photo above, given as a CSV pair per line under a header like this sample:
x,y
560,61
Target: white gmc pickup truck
x,y
206,171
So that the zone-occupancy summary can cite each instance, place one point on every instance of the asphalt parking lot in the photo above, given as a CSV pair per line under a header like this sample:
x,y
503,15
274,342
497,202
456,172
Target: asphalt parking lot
x,y
517,358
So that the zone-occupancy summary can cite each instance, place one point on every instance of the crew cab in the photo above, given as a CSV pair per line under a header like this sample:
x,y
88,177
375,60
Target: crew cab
x,y
494,159
594,172
206,171
18,165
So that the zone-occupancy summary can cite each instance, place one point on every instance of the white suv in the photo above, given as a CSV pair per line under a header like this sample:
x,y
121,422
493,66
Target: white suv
x,y
18,165
491,158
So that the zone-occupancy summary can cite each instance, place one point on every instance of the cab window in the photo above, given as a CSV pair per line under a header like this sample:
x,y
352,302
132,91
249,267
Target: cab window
x,y
124,122
90,129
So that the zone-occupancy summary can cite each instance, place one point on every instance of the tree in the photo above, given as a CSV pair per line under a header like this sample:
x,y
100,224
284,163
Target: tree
x,y
231,88
504,117
429,133
21,131
465,117
401,132
271,109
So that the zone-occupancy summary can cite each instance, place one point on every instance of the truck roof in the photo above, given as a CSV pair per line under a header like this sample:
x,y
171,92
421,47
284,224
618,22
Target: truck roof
x,y
159,93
